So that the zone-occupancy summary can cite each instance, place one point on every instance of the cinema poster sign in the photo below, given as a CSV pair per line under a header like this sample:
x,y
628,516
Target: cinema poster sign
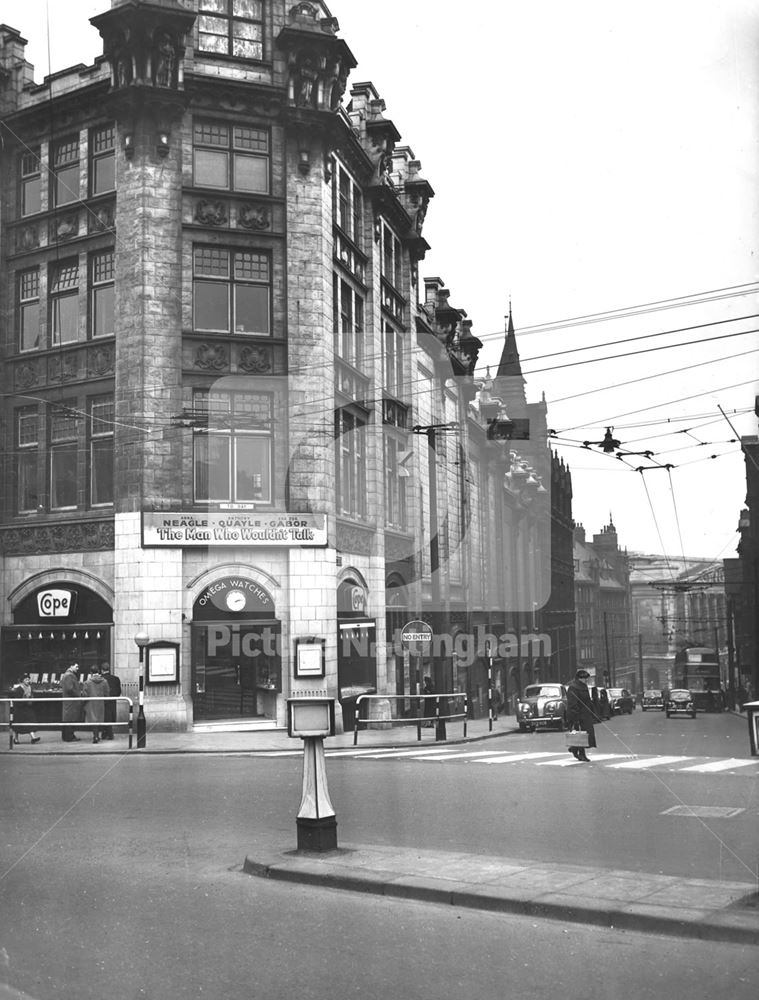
x,y
180,530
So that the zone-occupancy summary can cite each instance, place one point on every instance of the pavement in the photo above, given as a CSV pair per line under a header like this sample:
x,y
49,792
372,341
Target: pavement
x,y
704,909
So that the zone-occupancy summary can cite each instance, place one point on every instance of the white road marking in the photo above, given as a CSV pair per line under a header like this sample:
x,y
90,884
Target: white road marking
x,y
572,761
632,765
510,758
713,767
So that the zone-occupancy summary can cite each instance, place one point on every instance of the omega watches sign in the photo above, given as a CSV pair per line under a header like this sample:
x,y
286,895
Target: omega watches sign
x,y
270,529
56,603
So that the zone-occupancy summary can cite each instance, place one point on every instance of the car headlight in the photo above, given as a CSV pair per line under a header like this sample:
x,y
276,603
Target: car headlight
x,y
553,706
523,707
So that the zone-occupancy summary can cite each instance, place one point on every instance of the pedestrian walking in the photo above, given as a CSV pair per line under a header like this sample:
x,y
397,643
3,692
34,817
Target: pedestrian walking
x,y
24,716
71,709
95,688
114,690
580,712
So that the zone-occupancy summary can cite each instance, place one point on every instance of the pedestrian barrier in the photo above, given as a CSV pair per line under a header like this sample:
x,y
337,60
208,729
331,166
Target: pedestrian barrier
x,y
438,720
27,702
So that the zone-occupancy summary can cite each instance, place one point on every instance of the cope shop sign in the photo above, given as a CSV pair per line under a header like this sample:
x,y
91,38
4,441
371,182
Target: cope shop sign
x,y
56,603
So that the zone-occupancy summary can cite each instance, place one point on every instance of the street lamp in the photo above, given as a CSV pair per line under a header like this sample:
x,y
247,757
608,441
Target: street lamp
x,y
141,639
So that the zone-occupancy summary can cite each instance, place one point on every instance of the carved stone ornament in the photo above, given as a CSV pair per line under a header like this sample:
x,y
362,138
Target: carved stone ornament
x,y
26,375
100,361
211,357
62,369
211,213
64,228
254,217
87,536
354,539
255,360
27,238
145,43
101,219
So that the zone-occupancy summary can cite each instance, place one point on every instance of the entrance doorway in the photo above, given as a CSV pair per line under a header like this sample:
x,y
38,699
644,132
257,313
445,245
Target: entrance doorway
x,y
236,671
236,653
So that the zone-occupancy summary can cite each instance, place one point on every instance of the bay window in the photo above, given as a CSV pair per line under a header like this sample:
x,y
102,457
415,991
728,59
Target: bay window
x,y
231,157
102,159
64,302
27,451
231,290
31,182
350,462
102,294
101,450
232,454
231,27
62,422
29,309
66,171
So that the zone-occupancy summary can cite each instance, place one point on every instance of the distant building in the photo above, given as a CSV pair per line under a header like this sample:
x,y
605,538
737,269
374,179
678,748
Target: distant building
x,y
603,607
677,602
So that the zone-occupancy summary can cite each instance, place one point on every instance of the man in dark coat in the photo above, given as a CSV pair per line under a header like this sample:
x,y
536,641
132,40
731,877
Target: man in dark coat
x,y
71,709
114,690
581,713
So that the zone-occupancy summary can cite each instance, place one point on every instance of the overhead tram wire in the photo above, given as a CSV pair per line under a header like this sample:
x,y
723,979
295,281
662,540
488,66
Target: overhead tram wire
x,y
647,378
642,336
642,309
657,406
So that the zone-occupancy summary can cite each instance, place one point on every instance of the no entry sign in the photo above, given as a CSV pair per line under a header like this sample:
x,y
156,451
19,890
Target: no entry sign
x,y
416,637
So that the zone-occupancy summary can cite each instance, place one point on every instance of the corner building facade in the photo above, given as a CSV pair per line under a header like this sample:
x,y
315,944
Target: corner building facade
x,y
216,352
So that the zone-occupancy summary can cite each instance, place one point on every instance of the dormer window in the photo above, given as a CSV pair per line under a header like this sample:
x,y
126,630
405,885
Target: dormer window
x,y
231,27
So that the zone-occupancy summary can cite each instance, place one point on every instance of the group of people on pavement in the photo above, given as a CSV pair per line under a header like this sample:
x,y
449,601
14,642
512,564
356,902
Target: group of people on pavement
x,y
95,715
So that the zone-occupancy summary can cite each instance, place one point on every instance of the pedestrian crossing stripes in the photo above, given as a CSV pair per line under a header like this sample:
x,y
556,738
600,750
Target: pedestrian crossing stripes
x,y
456,753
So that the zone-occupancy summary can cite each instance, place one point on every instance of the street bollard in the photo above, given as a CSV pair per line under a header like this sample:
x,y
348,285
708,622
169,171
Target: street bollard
x,y
312,719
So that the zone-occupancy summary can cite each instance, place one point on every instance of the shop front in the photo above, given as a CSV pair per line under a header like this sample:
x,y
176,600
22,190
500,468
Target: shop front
x,y
54,626
236,653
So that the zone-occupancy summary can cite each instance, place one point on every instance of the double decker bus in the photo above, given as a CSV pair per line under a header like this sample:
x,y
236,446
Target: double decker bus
x,y
697,668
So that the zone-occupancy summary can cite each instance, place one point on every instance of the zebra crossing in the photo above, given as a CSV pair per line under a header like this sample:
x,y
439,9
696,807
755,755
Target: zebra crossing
x,y
540,758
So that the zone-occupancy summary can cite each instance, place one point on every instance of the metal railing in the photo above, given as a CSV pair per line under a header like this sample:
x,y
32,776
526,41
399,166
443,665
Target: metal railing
x,y
437,720
81,724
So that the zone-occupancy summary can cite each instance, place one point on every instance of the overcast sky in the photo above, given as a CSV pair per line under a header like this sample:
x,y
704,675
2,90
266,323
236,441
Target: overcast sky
x,y
587,157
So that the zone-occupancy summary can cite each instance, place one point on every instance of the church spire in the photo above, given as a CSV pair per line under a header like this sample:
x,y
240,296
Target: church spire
x,y
510,365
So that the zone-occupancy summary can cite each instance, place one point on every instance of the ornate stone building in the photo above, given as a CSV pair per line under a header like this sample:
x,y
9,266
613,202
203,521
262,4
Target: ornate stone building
x,y
235,420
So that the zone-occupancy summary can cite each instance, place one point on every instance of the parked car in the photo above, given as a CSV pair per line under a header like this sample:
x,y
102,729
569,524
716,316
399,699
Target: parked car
x,y
621,701
652,699
680,701
542,706
602,704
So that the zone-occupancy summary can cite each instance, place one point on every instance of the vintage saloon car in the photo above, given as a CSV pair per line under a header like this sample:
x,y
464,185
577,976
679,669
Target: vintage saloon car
x,y
652,699
621,701
679,701
542,706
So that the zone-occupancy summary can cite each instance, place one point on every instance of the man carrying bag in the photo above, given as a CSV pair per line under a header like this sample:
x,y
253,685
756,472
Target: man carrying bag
x,y
581,716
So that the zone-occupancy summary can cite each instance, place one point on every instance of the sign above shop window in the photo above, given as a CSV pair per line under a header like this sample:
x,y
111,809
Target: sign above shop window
x,y
233,595
56,603
181,530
